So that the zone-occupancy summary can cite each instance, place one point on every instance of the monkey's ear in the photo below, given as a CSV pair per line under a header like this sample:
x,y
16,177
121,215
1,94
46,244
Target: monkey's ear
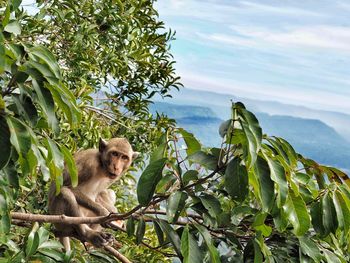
x,y
102,145
135,155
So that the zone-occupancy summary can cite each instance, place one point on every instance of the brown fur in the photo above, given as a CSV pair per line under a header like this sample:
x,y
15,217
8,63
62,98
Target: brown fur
x,y
97,170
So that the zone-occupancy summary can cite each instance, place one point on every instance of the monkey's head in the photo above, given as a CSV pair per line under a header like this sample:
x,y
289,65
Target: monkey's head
x,y
116,156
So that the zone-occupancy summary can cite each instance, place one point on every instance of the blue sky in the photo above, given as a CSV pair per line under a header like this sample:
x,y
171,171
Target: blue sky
x,y
296,52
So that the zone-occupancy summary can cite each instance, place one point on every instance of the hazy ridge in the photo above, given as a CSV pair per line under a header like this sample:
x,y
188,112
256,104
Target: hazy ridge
x,y
220,104
310,137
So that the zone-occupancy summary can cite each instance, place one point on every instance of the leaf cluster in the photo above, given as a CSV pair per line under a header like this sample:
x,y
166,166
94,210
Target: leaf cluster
x,y
253,200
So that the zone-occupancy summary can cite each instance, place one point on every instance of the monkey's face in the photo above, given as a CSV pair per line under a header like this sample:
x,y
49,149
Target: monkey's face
x,y
116,156
117,163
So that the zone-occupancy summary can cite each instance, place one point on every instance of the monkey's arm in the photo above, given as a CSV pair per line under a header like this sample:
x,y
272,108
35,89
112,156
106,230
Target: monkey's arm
x,y
107,199
85,201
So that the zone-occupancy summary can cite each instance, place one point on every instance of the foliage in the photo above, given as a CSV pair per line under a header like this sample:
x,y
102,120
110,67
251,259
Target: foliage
x,y
70,74
77,71
253,200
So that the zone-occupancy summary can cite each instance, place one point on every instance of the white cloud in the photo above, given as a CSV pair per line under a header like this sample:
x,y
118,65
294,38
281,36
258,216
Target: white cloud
x,y
315,98
285,10
227,39
333,38
225,11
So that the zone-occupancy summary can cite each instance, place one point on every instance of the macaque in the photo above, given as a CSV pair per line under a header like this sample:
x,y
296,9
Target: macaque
x,y
97,170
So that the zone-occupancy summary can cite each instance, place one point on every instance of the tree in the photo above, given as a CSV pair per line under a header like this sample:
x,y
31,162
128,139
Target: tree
x,y
68,77
252,200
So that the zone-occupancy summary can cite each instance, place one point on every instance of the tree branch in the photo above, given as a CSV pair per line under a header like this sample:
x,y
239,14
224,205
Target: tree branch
x,y
117,254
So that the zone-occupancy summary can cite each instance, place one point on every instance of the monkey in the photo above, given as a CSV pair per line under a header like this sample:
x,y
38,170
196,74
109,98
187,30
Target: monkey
x,y
97,169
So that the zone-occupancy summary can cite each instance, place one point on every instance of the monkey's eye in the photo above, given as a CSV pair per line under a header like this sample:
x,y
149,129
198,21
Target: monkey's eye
x,y
125,157
116,154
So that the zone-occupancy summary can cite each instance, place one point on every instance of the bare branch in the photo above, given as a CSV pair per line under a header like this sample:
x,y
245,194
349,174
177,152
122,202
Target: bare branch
x,y
117,254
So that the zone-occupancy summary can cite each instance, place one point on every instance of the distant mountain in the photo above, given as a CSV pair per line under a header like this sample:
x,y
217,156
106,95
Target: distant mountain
x,y
312,138
220,104
201,121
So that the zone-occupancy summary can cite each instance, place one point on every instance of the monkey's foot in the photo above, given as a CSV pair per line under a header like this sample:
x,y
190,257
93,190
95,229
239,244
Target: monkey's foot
x,y
99,239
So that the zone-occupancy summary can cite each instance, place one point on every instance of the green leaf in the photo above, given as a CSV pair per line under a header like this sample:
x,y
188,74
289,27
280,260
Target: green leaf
x,y
262,170
46,102
278,175
5,143
189,248
211,204
13,27
236,180
32,241
26,109
165,183
15,4
172,235
140,232
43,236
43,69
252,252
309,247
102,257
45,55
4,213
190,175
159,152
279,218
206,160
51,244
21,140
192,143
292,156
329,216
20,137
259,224
316,216
252,130
70,164
6,18
130,226
258,256
149,180
213,252
176,203
65,102
54,154
52,254
12,175
343,212
159,232
331,257
297,213
2,64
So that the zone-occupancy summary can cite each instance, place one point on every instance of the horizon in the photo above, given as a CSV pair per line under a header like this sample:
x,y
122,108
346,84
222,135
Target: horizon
x,y
292,53
169,100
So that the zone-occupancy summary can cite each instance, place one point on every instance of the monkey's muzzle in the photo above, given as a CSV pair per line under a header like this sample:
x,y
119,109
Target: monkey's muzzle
x,y
112,175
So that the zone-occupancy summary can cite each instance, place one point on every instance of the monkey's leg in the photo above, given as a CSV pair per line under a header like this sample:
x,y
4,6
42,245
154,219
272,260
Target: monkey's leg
x,y
66,243
86,202
67,204
107,199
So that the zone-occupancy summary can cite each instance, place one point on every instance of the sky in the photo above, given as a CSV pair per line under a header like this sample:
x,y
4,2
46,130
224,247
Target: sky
x,y
295,52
